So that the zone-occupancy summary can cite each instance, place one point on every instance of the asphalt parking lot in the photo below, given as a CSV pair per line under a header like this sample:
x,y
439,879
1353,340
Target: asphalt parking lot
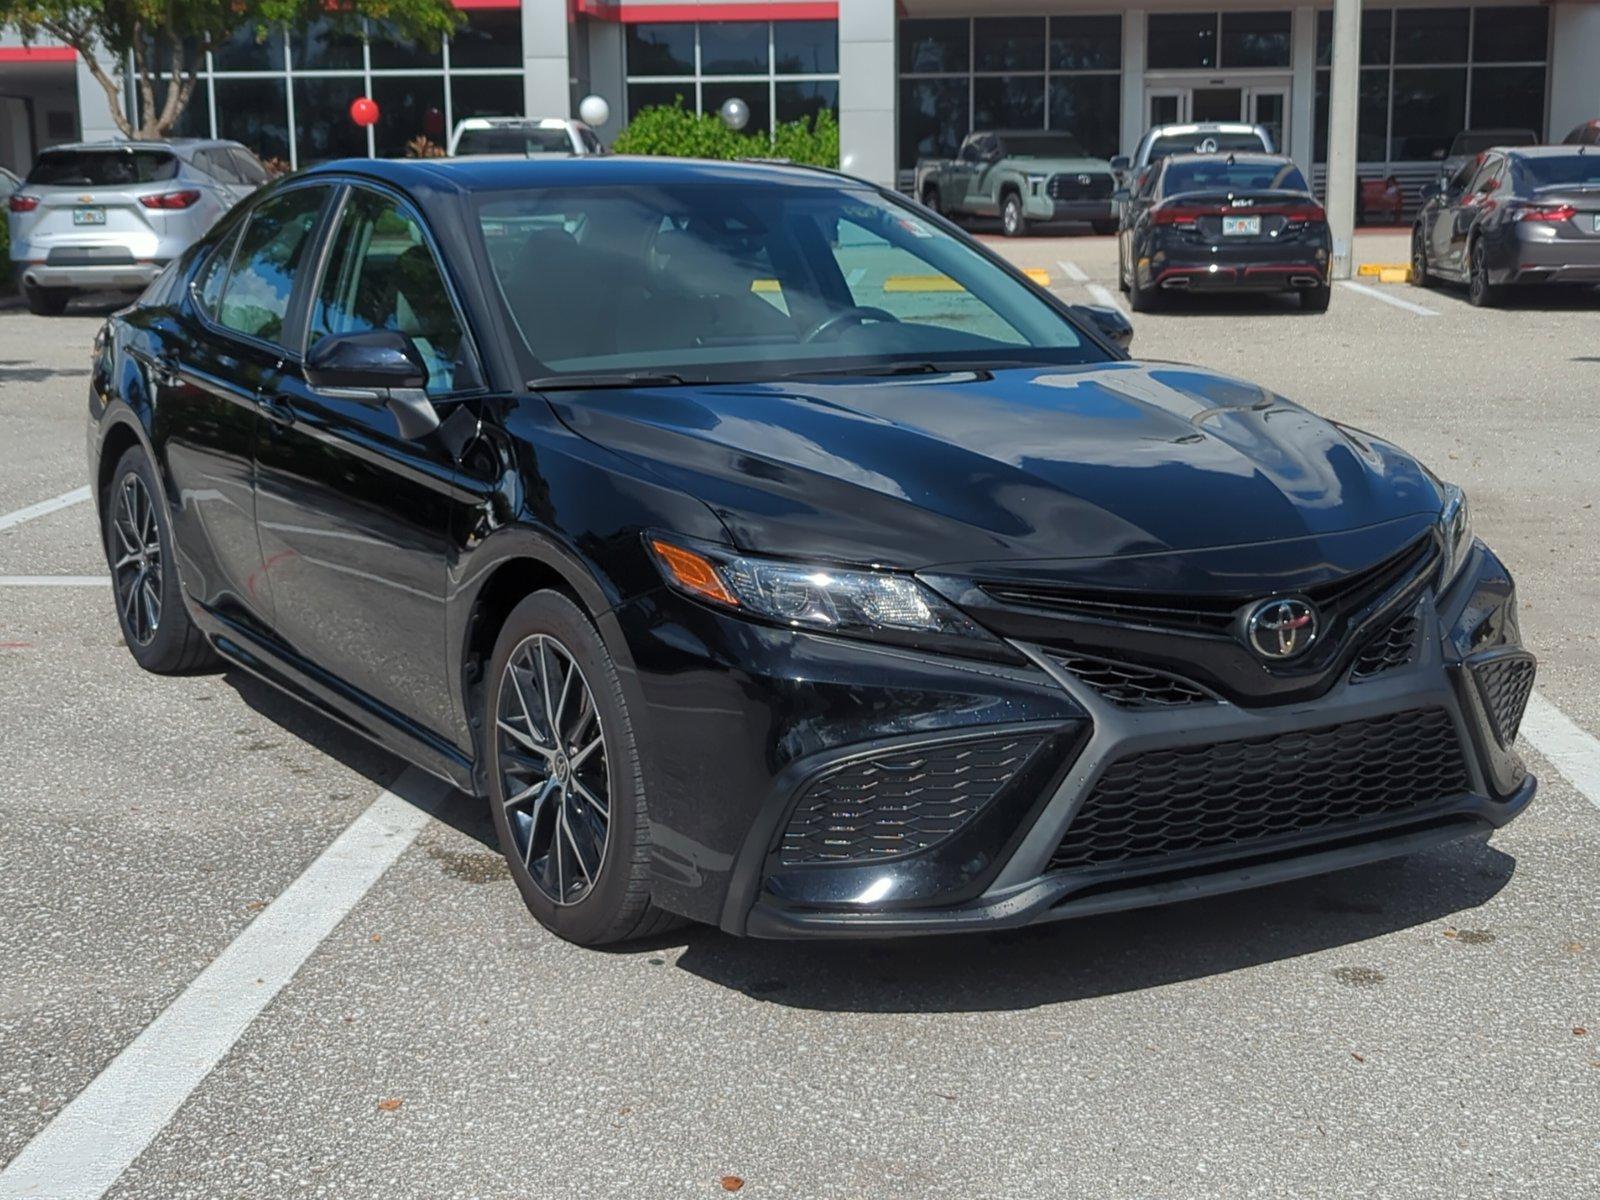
x,y
1427,1027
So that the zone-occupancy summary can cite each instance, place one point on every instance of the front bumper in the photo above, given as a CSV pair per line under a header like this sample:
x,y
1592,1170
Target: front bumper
x,y
771,750
1043,208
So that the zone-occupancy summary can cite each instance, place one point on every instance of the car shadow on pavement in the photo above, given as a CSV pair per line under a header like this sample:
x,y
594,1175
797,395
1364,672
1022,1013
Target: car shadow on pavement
x,y
462,813
1229,305
1106,955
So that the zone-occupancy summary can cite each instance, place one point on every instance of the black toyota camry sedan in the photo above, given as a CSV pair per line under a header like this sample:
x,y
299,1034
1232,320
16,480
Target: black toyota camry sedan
x,y
1223,222
765,551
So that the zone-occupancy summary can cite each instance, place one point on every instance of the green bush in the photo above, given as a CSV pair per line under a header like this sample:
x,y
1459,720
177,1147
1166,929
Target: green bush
x,y
672,130
5,256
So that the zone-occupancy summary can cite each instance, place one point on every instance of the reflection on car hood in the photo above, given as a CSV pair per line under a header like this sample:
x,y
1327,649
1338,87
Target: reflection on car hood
x,y
1055,463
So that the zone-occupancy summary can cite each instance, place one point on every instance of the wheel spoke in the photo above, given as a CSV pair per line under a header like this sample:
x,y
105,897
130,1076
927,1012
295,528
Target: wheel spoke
x,y
582,756
577,854
544,690
152,605
592,800
561,704
522,702
522,739
126,560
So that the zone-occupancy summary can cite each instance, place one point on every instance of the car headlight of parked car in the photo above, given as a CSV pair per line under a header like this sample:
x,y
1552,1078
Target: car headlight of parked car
x,y
1037,181
1455,519
809,596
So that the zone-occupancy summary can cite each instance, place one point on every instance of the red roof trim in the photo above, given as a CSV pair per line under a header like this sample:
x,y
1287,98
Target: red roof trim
x,y
38,54
635,14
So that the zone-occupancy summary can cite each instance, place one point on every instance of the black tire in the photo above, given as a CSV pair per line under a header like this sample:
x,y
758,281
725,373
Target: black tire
x,y
1104,228
615,904
1013,221
1142,299
1421,276
160,636
1480,292
1315,300
930,200
1122,270
46,302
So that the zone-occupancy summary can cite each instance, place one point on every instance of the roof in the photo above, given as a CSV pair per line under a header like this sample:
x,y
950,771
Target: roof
x,y
1566,150
176,143
515,123
1244,156
494,173
1200,127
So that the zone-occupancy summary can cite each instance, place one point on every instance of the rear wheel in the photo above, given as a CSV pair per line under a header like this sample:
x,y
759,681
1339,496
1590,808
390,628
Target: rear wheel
x,y
1122,269
1140,298
1480,292
565,782
144,577
1013,220
1315,300
46,302
1103,228
1420,275
930,200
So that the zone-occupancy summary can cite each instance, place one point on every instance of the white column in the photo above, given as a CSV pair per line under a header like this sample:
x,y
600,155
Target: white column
x,y
868,90
547,73
1574,66
1342,101
606,74
1301,126
1133,113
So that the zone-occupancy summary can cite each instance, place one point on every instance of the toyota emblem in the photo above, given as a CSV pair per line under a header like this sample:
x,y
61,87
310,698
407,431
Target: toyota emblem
x,y
1085,179
1280,629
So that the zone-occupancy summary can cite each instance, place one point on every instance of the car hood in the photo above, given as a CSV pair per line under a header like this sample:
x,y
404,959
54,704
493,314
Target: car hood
x,y
1052,166
1019,466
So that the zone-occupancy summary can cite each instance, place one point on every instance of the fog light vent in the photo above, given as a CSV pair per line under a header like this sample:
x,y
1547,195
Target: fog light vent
x,y
1391,648
1505,683
902,802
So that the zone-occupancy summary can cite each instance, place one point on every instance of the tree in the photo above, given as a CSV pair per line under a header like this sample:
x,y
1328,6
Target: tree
x,y
165,40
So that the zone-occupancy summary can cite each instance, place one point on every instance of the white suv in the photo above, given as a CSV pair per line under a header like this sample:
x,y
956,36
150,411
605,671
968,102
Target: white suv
x,y
523,135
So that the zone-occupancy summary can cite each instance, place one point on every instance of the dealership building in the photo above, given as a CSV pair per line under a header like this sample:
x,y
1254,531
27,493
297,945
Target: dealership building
x,y
907,78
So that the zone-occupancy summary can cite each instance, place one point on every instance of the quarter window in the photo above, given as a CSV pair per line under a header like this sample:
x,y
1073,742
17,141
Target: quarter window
x,y
255,300
208,285
383,275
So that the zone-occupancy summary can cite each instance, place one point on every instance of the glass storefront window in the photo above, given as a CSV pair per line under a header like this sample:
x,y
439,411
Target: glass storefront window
x,y
245,52
804,100
1008,102
733,48
490,37
1376,24
715,93
1182,40
660,49
1255,39
321,46
934,47
933,118
1090,107
1008,44
255,113
1086,43
1431,35
323,128
1513,96
1430,108
654,95
390,52
485,96
408,108
805,48
1510,34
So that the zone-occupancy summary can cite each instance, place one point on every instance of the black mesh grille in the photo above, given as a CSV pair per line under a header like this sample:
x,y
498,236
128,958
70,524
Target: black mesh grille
x,y
1506,684
1072,186
1391,648
1173,802
1128,686
900,803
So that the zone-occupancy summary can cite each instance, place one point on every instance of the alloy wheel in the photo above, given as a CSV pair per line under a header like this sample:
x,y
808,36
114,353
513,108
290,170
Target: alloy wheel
x,y
1011,216
555,781
136,569
1419,259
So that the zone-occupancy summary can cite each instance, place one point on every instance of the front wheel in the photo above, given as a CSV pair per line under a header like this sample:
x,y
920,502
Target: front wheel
x,y
930,200
1480,292
565,783
144,577
1420,275
1104,228
1012,219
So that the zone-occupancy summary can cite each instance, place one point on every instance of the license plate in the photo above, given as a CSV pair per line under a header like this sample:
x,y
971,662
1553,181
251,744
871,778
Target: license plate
x,y
89,216
1240,226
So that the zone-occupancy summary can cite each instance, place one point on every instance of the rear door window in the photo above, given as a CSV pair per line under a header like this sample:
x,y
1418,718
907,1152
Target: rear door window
x,y
111,167
382,275
255,298
247,167
208,284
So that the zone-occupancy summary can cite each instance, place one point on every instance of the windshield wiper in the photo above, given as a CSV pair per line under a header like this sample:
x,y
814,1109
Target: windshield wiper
x,y
620,379
979,366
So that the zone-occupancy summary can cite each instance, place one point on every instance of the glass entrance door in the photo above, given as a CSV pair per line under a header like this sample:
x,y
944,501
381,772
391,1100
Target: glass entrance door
x,y
1264,104
1268,107
1216,104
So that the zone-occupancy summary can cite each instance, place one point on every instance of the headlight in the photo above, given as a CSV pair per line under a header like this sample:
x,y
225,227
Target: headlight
x,y
1036,181
1455,522
809,597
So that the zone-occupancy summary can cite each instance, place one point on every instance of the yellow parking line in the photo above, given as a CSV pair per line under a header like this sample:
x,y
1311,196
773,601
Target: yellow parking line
x,y
921,283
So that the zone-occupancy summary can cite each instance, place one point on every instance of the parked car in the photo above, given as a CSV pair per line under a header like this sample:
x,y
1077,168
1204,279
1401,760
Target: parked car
x,y
9,182
523,135
1024,176
1469,143
109,216
1202,137
1587,134
1512,217
1224,222
638,497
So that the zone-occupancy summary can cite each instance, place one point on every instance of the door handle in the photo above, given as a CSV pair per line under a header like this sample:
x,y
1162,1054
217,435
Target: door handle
x,y
275,410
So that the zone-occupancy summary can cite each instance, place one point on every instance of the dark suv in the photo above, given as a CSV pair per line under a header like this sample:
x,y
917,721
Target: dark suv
x,y
748,581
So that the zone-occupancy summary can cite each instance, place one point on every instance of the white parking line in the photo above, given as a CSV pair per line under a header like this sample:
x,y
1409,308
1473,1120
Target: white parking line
x,y
1104,295
1073,271
1574,751
1378,294
91,1141
65,500
54,580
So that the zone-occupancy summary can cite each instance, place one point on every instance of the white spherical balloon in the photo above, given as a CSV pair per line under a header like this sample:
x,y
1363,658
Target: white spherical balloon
x,y
735,113
594,111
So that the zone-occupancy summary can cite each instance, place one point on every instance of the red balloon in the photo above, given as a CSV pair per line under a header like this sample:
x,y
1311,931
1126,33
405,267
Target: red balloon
x,y
364,110
433,122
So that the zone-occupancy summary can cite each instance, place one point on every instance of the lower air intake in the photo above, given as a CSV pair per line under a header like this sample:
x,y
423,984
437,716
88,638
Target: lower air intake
x,y
900,803
1505,683
1166,803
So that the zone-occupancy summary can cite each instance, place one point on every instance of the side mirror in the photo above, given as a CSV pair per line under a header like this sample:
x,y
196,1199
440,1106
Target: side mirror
x,y
378,366
1122,163
1122,195
1429,190
1111,322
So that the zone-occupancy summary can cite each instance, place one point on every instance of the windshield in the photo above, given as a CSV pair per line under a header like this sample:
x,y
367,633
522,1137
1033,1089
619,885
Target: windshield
x,y
1203,143
1043,145
725,283
1475,141
102,168
1531,174
1226,175
514,141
